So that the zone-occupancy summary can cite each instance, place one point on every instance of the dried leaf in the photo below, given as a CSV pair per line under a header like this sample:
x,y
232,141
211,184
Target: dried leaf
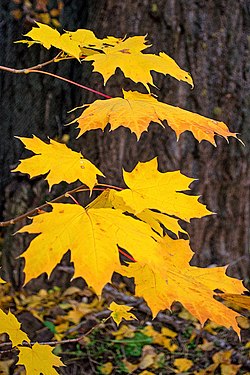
x,y
120,312
183,364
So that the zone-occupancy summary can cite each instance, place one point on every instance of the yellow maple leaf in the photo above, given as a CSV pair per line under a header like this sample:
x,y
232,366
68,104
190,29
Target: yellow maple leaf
x,y
90,44
86,39
10,325
149,188
77,43
92,236
123,53
110,199
136,111
106,368
154,219
176,280
163,338
120,312
242,301
39,360
59,161
47,36
183,364
135,65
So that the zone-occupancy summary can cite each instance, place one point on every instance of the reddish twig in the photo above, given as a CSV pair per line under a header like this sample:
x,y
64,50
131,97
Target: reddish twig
x,y
69,81
126,255
33,70
73,199
111,186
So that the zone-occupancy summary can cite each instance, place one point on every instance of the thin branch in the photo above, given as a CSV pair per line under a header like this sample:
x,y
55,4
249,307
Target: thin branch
x,y
69,81
40,208
54,343
33,70
73,199
26,70
111,186
37,209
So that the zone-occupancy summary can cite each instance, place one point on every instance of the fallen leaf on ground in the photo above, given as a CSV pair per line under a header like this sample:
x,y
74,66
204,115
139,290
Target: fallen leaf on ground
x,y
120,312
183,364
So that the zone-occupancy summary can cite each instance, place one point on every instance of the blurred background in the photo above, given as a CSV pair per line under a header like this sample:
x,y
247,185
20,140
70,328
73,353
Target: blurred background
x,y
208,38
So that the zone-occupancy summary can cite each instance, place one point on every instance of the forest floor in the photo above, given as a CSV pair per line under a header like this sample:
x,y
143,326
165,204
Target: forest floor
x,y
172,343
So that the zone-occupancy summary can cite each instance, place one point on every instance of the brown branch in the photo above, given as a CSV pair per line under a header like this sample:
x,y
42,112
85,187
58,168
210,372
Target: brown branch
x,y
54,343
27,70
37,209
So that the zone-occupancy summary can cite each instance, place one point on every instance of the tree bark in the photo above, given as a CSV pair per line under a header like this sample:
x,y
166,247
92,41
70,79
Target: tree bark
x,y
207,38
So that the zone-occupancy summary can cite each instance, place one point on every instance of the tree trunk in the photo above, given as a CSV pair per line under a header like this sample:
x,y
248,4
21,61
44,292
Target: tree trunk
x,y
207,38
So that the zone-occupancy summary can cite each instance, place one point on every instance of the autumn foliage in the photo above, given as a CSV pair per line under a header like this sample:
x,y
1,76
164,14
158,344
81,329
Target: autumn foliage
x,y
137,218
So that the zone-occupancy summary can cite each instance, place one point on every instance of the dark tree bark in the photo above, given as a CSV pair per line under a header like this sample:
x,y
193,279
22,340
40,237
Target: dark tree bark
x,y
207,38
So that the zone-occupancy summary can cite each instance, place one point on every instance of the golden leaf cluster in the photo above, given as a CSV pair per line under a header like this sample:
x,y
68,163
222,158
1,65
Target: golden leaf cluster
x,y
138,218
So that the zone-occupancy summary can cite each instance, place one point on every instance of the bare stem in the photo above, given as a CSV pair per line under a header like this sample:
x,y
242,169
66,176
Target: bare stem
x,y
69,81
54,343
73,199
111,186
25,70
34,69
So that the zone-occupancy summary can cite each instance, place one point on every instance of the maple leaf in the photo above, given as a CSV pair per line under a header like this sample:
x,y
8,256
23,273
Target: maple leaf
x,y
221,359
92,235
183,364
242,301
60,162
135,111
176,280
77,43
149,188
47,36
135,65
10,325
39,360
120,312
116,52
110,199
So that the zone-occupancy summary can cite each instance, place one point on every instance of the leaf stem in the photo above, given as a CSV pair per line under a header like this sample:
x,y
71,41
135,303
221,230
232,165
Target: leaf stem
x,y
111,186
73,199
69,81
